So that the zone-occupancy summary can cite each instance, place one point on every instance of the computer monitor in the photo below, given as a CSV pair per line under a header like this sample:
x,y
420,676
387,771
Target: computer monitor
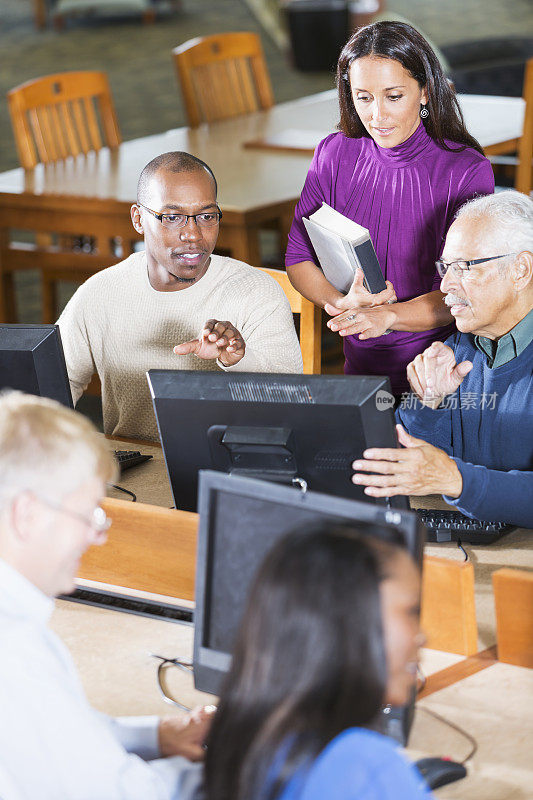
x,y
240,521
273,427
32,361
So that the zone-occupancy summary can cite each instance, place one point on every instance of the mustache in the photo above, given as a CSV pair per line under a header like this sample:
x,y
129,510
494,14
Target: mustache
x,y
454,300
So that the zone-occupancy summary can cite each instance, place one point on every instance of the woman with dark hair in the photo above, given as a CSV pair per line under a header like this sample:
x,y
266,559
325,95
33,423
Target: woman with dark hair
x,y
402,165
330,635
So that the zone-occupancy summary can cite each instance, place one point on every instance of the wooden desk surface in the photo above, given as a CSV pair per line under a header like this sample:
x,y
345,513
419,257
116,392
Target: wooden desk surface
x,y
249,179
491,705
149,481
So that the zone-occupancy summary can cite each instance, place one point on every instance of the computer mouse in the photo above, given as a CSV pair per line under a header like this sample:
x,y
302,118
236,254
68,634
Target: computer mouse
x,y
440,771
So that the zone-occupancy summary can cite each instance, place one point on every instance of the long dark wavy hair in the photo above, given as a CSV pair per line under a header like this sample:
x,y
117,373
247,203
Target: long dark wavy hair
x,y
404,44
309,661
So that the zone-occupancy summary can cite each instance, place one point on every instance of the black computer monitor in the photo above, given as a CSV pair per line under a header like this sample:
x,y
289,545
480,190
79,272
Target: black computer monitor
x,y
273,427
32,361
240,521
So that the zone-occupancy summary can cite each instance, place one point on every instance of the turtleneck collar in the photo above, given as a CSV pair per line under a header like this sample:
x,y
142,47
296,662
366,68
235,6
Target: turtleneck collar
x,y
405,153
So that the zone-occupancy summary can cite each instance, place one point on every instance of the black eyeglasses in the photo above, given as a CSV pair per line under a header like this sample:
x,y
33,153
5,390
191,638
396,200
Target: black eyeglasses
x,y
461,268
207,219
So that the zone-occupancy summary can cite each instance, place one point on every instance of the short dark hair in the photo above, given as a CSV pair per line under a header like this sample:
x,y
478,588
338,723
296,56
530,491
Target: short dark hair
x,y
403,43
176,161
309,660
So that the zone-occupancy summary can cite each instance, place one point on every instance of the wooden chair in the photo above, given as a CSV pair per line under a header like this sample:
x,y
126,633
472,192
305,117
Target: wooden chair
x,y
221,76
515,156
523,180
310,321
448,615
149,549
513,599
56,117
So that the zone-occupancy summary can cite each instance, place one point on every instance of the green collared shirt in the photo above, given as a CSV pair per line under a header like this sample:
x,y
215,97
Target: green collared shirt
x,y
501,351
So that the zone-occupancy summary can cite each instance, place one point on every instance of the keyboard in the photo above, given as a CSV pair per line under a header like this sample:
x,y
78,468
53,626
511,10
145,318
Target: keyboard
x,y
450,526
129,458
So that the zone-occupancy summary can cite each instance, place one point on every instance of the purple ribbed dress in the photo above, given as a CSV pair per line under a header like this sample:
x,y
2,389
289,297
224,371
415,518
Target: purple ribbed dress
x,y
407,197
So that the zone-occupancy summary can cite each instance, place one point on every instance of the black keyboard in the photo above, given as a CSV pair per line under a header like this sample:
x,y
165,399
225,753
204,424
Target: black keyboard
x,y
451,526
129,458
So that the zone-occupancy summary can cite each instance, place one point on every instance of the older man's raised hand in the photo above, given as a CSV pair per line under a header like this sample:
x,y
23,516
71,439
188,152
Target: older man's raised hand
x,y
434,374
217,339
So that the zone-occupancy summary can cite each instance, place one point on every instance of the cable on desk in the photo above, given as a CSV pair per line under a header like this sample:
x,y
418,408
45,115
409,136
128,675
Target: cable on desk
x,y
126,491
460,546
423,680
455,727
422,677
181,663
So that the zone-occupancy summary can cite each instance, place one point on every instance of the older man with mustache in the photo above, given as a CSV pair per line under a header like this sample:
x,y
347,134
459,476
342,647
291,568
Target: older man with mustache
x,y
467,427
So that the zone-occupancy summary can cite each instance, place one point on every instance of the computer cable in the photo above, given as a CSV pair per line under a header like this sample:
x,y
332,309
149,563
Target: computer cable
x,y
456,728
126,491
452,725
460,546
181,663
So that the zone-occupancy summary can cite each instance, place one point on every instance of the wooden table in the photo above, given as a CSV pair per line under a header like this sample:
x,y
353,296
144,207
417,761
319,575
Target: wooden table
x,y
92,195
486,698
490,705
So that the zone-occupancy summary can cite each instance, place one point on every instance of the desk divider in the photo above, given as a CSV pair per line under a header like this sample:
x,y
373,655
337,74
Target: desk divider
x,y
153,549
149,549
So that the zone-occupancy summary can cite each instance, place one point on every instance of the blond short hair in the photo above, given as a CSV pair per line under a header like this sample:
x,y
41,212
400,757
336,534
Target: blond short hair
x,y
47,448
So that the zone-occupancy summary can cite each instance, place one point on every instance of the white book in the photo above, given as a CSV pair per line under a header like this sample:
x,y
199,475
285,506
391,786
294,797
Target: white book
x,y
341,246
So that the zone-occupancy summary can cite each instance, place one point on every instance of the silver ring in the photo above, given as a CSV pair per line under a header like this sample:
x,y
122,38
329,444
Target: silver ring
x,y
352,316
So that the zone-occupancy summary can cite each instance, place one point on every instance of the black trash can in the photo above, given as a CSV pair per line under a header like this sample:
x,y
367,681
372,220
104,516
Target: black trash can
x,y
318,31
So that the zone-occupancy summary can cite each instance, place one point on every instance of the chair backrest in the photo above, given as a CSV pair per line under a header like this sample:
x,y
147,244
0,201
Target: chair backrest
x,y
310,321
513,600
221,76
523,180
62,115
448,615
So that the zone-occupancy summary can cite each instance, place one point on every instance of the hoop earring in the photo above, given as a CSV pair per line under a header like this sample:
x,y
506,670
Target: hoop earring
x,y
424,113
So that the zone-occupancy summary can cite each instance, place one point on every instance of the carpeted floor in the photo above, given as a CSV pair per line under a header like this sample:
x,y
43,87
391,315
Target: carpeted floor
x,y
138,61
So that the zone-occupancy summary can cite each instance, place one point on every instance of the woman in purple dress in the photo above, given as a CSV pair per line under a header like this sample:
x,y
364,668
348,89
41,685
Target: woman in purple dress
x,y
401,165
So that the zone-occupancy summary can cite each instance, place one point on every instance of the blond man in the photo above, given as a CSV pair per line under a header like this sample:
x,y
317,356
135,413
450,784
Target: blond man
x,y
54,468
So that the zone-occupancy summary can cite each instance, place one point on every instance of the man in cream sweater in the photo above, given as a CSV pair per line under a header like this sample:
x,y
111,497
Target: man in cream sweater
x,y
175,305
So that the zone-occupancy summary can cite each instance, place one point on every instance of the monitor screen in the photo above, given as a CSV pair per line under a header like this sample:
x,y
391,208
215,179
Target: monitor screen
x,y
32,361
240,521
273,427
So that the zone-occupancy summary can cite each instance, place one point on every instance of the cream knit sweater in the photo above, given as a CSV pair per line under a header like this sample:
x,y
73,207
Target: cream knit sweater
x,y
116,324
